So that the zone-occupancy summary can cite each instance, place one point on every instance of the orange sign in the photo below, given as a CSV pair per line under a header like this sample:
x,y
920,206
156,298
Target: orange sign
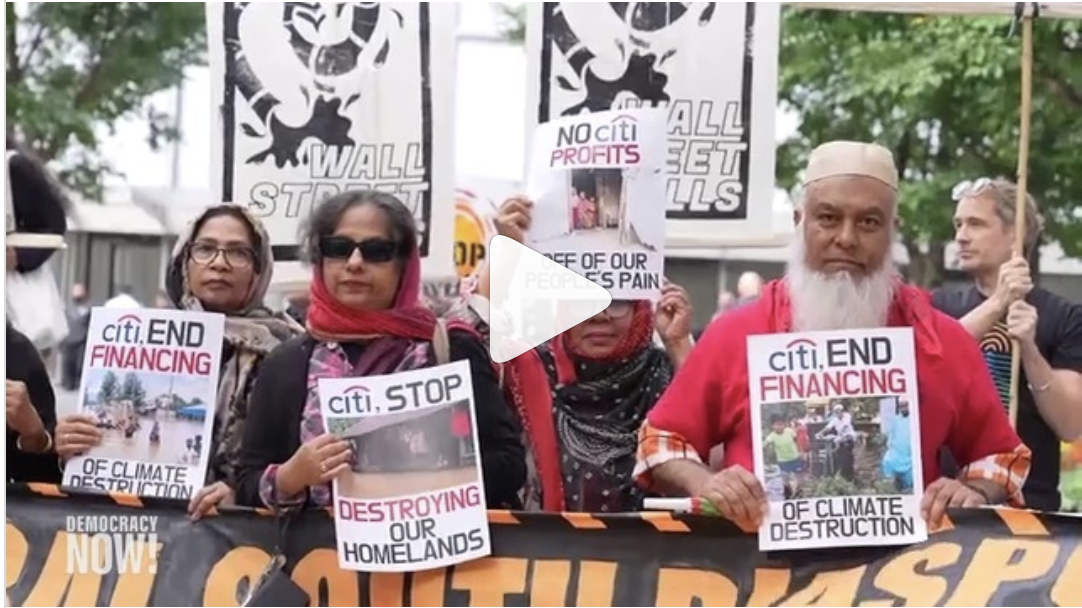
x,y
473,231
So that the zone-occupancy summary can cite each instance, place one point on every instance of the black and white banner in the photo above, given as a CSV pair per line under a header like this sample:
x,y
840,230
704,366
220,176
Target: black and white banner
x,y
315,98
713,64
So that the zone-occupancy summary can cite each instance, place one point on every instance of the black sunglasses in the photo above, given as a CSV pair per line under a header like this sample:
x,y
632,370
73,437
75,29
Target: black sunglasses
x,y
375,251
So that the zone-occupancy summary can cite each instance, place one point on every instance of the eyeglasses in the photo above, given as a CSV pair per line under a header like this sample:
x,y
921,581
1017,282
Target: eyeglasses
x,y
375,251
971,188
236,256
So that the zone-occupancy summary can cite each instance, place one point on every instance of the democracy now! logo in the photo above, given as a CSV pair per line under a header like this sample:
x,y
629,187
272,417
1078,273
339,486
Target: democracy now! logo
x,y
104,544
534,298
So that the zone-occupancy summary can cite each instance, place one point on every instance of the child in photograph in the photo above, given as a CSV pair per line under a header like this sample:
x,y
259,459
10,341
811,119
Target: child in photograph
x,y
782,439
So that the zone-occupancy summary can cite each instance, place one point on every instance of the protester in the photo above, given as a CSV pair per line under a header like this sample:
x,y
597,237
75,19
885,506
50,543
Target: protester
x,y
38,206
123,298
31,414
73,347
839,276
221,263
748,287
364,318
582,396
1003,304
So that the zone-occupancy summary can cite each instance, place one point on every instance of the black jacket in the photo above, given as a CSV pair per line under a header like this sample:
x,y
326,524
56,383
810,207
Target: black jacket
x,y
272,431
25,365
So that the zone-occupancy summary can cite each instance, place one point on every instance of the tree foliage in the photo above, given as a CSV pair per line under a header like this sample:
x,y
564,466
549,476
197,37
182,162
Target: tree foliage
x,y
110,388
133,390
512,21
943,93
74,68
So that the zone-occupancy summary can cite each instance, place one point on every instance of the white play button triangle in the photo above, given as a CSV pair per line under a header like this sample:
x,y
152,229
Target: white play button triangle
x,y
533,298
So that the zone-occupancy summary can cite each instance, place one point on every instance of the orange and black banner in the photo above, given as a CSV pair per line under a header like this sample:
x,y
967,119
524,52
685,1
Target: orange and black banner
x,y
980,558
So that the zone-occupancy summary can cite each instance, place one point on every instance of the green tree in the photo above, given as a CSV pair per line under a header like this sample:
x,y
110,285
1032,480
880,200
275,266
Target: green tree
x,y
75,68
133,390
943,93
511,19
110,388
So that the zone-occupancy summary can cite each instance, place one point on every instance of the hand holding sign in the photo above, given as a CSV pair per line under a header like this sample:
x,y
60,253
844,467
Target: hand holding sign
x,y
21,415
76,435
209,497
514,217
673,318
737,494
945,493
1015,281
316,462
1022,322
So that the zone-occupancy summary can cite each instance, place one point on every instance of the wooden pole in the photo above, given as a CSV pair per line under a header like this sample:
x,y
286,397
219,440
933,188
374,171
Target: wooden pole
x,y
1023,189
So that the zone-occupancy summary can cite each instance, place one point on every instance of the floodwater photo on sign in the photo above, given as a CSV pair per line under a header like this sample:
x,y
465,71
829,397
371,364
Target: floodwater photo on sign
x,y
598,183
837,438
413,497
150,382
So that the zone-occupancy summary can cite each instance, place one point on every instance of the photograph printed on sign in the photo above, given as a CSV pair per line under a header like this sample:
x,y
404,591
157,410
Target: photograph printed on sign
x,y
150,382
148,417
830,447
837,441
409,452
593,57
597,182
413,497
316,99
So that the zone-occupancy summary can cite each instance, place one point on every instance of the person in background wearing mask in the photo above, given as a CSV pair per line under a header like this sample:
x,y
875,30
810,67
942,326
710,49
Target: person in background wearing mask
x,y
1003,305
74,345
840,276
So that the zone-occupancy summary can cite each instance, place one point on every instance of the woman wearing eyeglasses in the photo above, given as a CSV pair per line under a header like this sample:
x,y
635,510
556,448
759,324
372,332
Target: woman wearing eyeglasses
x,y
582,397
364,318
222,263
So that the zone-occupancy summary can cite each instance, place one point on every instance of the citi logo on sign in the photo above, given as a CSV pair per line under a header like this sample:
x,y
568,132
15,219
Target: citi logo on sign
x,y
353,401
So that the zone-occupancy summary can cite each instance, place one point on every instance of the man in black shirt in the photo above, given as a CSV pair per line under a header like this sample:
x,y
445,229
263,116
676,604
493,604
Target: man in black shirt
x,y
1003,305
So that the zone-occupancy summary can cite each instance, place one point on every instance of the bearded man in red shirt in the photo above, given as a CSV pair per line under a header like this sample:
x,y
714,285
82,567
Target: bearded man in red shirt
x,y
840,276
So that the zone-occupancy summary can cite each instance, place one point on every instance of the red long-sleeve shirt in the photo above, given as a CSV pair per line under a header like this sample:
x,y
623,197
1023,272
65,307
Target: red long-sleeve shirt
x,y
708,400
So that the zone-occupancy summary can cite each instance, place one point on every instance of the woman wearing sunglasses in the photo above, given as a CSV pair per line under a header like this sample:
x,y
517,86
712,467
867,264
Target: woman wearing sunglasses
x,y
364,318
582,396
222,263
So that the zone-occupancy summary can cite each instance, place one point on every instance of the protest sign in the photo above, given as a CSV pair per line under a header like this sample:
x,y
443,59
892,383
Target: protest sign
x,y
712,65
837,438
598,185
150,381
981,557
315,99
414,498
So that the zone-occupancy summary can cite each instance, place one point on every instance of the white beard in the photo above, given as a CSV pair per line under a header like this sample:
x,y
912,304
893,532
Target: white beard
x,y
829,302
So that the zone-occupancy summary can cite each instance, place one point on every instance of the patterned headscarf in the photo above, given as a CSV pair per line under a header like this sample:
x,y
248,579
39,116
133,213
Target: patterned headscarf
x,y
250,334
